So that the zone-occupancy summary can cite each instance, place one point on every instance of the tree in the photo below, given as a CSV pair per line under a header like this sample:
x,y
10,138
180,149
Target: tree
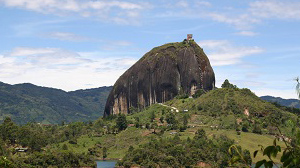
x,y
200,133
148,126
185,119
163,112
3,149
9,130
137,122
65,147
104,152
130,149
245,127
257,129
152,116
170,118
154,126
198,93
239,156
4,162
121,122
227,84
161,119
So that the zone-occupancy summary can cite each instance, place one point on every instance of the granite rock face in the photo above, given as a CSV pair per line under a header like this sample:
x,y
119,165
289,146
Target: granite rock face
x,y
160,75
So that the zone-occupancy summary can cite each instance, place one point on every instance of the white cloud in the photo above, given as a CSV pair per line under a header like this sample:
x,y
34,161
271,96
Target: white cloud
x,y
250,83
122,43
65,36
130,12
275,9
203,3
246,33
240,18
102,9
252,75
222,52
182,4
53,58
24,51
115,45
257,12
59,68
242,21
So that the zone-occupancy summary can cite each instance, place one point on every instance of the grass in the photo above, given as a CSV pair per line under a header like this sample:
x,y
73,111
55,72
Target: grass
x,y
117,145
248,141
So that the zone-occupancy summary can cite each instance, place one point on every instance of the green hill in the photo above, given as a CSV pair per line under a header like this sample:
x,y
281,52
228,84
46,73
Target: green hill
x,y
219,112
225,103
228,101
292,103
30,103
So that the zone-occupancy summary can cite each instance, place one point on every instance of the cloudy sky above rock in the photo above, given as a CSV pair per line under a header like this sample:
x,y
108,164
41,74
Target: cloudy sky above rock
x,y
78,44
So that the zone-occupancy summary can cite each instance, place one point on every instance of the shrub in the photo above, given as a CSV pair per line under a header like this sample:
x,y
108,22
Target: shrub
x,y
65,147
73,141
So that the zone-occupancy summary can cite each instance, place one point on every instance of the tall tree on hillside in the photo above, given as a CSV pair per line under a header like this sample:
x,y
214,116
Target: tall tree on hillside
x,y
152,116
185,119
8,130
104,152
170,118
227,84
121,122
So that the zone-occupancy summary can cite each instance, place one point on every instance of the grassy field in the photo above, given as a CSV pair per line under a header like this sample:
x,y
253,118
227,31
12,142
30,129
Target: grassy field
x,y
117,145
246,140
249,141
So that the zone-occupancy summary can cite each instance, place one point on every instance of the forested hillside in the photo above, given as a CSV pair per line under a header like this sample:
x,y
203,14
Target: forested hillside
x,y
284,102
30,103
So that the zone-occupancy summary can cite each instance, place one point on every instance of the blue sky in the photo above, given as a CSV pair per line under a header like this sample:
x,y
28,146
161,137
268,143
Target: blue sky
x,y
78,44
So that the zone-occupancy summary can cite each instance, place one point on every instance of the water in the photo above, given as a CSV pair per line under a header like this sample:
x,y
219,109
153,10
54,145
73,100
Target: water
x,y
106,164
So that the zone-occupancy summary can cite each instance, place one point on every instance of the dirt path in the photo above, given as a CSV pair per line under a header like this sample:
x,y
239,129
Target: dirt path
x,y
172,108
